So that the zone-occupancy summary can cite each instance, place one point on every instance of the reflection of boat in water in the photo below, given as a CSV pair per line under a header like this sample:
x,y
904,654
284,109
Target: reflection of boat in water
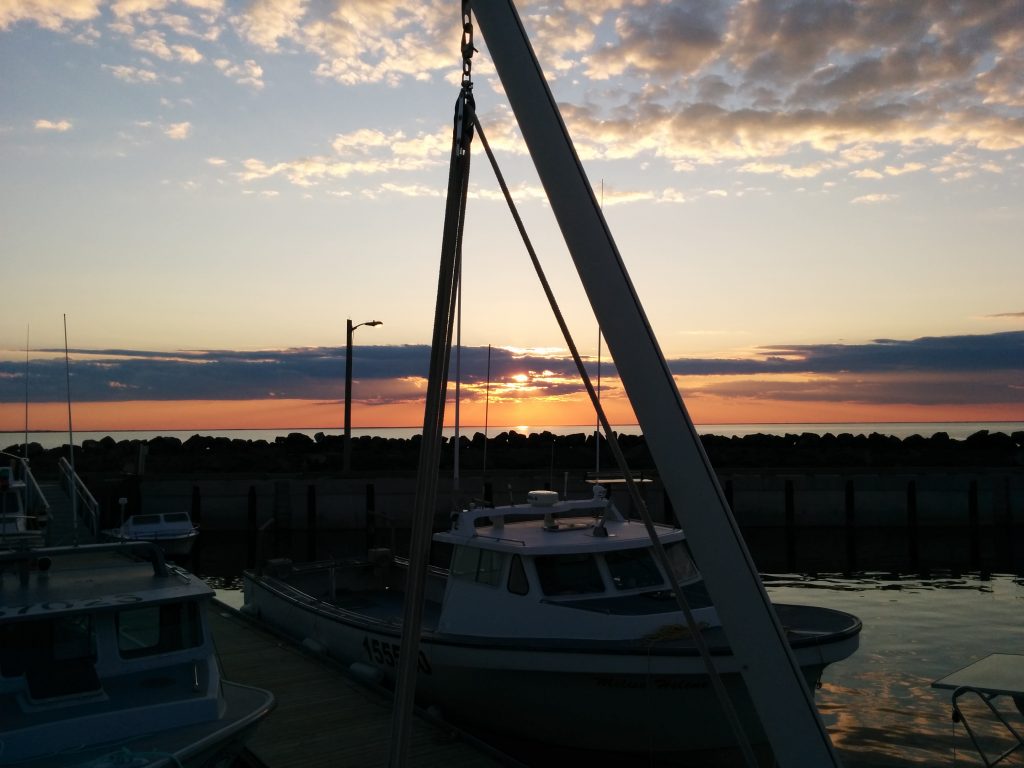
x,y
106,659
173,531
18,527
554,622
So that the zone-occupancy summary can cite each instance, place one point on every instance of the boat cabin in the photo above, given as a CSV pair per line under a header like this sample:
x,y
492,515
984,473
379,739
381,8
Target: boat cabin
x,y
150,527
554,568
96,645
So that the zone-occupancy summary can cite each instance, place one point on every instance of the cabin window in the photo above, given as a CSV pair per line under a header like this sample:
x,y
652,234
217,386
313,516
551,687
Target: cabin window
x,y
56,656
10,503
146,520
517,581
633,569
176,517
568,574
158,629
683,567
483,566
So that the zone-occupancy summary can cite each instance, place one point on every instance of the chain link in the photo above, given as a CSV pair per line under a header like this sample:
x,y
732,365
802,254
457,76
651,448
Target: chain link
x,y
467,45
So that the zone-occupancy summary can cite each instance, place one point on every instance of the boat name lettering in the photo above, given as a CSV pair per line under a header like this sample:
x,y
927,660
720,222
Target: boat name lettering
x,y
66,605
386,652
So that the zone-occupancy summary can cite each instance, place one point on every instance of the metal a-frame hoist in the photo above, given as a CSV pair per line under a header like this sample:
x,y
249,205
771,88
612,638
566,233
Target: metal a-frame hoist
x,y
772,676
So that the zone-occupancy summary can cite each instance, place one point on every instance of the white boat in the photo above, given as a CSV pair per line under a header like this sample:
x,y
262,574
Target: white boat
x,y
172,531
107,659
19,528
553,623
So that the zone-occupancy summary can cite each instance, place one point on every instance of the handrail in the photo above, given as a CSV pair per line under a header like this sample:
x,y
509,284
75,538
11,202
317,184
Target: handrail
x,y
34,496
74,485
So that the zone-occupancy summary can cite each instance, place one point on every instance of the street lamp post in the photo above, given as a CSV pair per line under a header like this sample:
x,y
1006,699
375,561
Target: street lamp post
x,y
347,447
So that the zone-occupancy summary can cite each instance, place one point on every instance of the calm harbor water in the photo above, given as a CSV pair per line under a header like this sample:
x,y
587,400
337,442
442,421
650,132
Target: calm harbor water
x,y
956,430
878,705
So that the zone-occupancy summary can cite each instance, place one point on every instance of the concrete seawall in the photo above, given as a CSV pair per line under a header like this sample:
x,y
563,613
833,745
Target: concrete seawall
x,y
905,520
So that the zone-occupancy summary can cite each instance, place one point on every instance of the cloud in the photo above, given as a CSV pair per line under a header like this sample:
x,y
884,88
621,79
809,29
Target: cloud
x,y
790,88
1011,315
59,126
265,22
178,131
360,153
976,368
665,40
131,74
247,73
873,199
55,15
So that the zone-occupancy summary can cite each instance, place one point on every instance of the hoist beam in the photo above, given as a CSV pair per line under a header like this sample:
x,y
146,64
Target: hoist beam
x,y
772,676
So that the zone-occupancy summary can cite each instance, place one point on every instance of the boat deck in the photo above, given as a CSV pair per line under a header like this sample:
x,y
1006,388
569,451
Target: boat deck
x,y
323,716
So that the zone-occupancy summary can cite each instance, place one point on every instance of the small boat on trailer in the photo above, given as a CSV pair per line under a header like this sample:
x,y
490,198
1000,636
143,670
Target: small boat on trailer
x,y
106,658
172,531
553,623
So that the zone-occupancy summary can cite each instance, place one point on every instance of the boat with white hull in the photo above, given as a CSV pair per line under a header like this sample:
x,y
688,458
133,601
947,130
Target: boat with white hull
x,y
553,623
106,659
173,532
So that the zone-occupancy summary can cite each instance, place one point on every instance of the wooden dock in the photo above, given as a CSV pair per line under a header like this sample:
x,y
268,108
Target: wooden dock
x,y
323,716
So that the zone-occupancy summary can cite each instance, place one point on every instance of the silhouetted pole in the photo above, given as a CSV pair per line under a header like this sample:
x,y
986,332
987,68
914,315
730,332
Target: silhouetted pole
x,y
347,447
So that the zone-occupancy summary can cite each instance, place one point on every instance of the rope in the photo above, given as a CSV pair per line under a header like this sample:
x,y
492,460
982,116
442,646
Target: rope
x,y
433,421
634,491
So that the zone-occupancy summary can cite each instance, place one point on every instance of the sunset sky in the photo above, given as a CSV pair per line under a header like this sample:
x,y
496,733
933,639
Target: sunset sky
x,y
820,203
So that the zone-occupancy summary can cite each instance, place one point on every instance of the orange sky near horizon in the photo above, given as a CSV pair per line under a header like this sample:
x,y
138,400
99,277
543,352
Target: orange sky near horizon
x,y
215,415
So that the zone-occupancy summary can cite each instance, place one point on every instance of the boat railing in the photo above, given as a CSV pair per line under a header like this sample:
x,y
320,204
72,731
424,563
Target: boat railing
x,y
35,500
29,558
86,506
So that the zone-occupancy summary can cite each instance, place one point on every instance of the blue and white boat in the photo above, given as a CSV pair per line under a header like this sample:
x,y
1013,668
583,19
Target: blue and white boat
x,y
107,659
553,623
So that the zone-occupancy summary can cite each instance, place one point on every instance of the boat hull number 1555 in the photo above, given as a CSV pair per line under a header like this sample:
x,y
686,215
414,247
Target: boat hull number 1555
x,y
387,653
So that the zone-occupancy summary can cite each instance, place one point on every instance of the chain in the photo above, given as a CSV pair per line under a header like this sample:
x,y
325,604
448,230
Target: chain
x,y
466,107
467,46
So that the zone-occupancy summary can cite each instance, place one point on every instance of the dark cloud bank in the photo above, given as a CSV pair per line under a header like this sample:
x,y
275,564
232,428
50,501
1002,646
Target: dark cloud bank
x,y
979,368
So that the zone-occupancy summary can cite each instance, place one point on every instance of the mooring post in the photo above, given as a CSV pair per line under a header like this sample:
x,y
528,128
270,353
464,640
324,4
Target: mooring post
x,y
1002,531
196,513
311,522
851,529
974,525
912,530
253,526
371,516
790,497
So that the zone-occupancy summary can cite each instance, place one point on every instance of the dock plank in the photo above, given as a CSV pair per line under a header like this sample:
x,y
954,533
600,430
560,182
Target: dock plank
x,y
323,717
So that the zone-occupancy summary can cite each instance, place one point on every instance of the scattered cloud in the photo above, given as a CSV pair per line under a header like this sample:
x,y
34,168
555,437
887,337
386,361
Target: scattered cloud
x,y
131,74
55,15
361,153
58,126
247,73
873,199
785,88
178,131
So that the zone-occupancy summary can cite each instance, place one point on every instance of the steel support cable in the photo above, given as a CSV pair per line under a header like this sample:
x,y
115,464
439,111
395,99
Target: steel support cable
x,y
728,708
433,421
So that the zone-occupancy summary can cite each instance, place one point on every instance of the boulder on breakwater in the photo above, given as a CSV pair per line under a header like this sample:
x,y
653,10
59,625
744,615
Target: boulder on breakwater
x,y
298,453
